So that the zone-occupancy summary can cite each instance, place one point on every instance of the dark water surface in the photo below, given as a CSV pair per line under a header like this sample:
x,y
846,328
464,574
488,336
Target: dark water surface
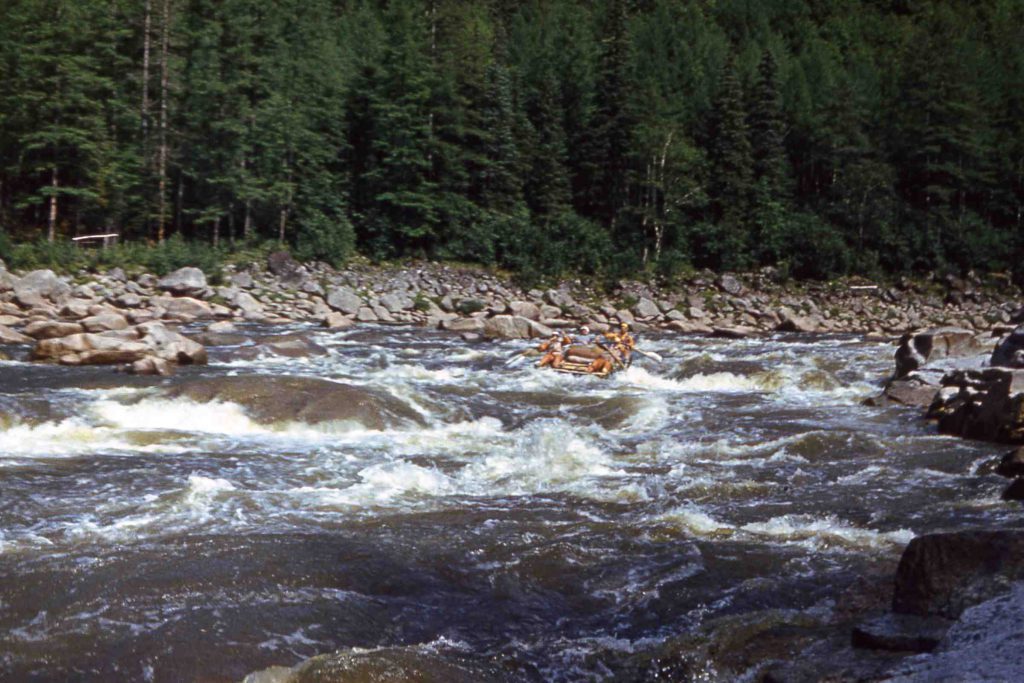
x,y
548,525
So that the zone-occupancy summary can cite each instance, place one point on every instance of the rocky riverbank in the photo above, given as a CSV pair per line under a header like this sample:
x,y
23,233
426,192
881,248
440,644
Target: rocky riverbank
x,y
130,318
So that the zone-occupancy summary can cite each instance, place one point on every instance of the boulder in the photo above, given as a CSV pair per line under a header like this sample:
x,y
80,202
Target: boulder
x,y
75,308
733,331
87,348
915,389
918,348
242,281
514,327
945,573
365,314
1015,491
246,303
180,306
222,327
983,645
387,665
396,303
789,321
187,281
901,633
729,284
336,321
345,300
104,322
982,404
281,263
35,287
524,309
291,346
646,308
559,298
50,329
150,365
1011,464
170,345
281,399
463,325
1009,352
9,336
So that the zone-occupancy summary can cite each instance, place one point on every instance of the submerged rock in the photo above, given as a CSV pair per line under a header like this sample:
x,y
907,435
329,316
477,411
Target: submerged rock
x,y
384,665
901,633
275,399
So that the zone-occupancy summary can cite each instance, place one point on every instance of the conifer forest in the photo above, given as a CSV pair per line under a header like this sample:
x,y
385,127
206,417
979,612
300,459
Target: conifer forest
x,y
547,137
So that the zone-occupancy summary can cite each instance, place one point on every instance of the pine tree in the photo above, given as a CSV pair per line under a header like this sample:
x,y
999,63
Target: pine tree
x,y
730,188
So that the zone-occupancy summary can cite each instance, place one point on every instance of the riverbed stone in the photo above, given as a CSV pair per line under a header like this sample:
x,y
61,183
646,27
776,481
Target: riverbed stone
x,y
178,306
524,309
104,322
50,329
9,336
187,281
336,321
34,289
983,404
151,365
344,299
645,308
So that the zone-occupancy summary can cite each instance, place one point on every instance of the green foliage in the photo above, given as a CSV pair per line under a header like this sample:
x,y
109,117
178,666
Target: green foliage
x,y
607,137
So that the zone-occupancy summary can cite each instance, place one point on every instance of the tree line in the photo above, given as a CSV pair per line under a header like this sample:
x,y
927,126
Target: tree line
x,y
822,137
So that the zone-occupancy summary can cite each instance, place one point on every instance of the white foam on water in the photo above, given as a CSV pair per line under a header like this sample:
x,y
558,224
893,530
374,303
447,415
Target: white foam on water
x,y
179,414
693,519
544,456
720,382
67,438
825,532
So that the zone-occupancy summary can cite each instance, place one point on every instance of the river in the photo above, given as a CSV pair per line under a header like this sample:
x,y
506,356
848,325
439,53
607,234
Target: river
x,y
552,527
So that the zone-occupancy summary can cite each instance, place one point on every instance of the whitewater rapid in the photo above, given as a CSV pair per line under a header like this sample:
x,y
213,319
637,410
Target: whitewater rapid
x,y
729,470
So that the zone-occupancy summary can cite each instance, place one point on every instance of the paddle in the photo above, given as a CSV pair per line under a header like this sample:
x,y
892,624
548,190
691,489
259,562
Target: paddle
x,y
650,354
520,356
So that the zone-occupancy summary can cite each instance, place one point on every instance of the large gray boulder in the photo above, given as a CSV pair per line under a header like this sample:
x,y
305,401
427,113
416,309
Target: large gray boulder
x,y
247,303
34,288
943,574
918,348
1009,352
171,345
524,309
344,299
90,349
646,308
186,281
789,321
983,404
983,645
514,327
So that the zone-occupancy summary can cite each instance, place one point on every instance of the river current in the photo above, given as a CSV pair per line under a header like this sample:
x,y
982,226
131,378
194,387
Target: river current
x,y
550,526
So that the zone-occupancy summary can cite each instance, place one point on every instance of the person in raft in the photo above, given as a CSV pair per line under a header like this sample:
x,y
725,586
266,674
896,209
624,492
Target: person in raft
x,y
622,341
554,348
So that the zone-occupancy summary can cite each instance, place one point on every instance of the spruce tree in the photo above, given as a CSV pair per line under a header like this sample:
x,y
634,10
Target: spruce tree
x,y
730,188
